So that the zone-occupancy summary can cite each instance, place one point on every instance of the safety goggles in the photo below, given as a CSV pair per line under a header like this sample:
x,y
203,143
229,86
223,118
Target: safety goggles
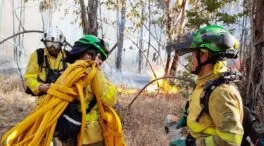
x,y
53,44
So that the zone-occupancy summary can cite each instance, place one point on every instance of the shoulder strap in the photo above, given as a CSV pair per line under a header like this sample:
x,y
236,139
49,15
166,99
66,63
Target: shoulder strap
x,y
95,88
40,54
47,65
227,77
64,63
91,105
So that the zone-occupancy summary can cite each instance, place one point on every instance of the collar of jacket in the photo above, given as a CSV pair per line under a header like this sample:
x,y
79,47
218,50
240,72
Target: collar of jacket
x,y
201,81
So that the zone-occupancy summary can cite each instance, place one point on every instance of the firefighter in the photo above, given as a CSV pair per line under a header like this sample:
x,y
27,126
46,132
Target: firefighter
x,y
222,124
45,64
90,47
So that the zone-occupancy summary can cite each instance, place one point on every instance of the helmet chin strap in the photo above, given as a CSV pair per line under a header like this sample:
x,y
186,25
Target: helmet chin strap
x,y
200,64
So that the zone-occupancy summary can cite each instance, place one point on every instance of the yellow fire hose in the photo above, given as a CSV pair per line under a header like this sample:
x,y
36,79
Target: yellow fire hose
x,y
38,128
109,121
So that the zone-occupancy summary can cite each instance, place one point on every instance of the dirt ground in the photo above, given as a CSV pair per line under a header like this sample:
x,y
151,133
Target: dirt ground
x,y
143,123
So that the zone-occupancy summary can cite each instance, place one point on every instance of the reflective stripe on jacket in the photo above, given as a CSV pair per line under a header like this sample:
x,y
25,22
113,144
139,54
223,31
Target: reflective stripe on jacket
x,y
107,92
223,126
35,74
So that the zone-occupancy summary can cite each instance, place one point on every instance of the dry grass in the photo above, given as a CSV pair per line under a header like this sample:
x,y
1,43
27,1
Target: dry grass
x,y
14,103
143,124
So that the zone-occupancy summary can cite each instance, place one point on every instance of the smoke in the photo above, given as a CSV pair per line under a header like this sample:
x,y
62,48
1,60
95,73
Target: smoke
x,y
125,78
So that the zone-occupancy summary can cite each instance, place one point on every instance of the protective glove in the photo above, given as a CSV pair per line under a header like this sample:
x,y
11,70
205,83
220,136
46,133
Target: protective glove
x,y
178,142
181,122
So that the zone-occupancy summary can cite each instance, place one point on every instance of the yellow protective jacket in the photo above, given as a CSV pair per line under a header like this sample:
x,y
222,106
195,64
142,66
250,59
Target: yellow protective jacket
x,y
107,92
35,75
223,125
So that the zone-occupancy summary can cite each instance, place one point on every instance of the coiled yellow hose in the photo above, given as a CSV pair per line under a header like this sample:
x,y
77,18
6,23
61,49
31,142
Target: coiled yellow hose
x,y
37,129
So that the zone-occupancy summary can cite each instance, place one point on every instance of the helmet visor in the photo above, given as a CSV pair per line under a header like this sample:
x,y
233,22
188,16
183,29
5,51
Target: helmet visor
x,y
183,46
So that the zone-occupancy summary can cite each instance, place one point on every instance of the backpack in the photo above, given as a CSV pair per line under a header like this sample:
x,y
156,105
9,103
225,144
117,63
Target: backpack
x,y
250,117
69,123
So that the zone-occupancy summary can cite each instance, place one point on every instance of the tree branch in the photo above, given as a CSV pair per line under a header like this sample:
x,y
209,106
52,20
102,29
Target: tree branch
x,y
19,20
129,37
113,48
145,57
28,31
148,29
156,39
178,78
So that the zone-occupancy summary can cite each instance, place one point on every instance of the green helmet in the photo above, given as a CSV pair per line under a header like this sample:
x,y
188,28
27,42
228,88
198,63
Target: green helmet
x,y
99,44
214,38
87,43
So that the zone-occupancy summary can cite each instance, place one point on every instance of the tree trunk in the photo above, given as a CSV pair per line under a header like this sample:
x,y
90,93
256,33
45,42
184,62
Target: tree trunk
x,y
174,64
255,89
89,17
120,35
92,17
168,33
101,19
175,61
21,28
244,53
149,11
1,11
14,29
84,17
50,9
140,53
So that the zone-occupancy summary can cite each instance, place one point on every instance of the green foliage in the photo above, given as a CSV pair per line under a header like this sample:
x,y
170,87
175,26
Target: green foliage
x,y
110,4
186,87
209,11
134,10
226,18
214,5
196,19
133,13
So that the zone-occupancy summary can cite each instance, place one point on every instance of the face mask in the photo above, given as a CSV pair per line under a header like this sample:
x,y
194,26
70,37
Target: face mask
x,y
53,44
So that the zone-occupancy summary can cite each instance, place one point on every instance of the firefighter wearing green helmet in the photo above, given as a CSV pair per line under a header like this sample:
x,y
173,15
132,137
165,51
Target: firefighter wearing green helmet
x,y
91,48
221,123
88,44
